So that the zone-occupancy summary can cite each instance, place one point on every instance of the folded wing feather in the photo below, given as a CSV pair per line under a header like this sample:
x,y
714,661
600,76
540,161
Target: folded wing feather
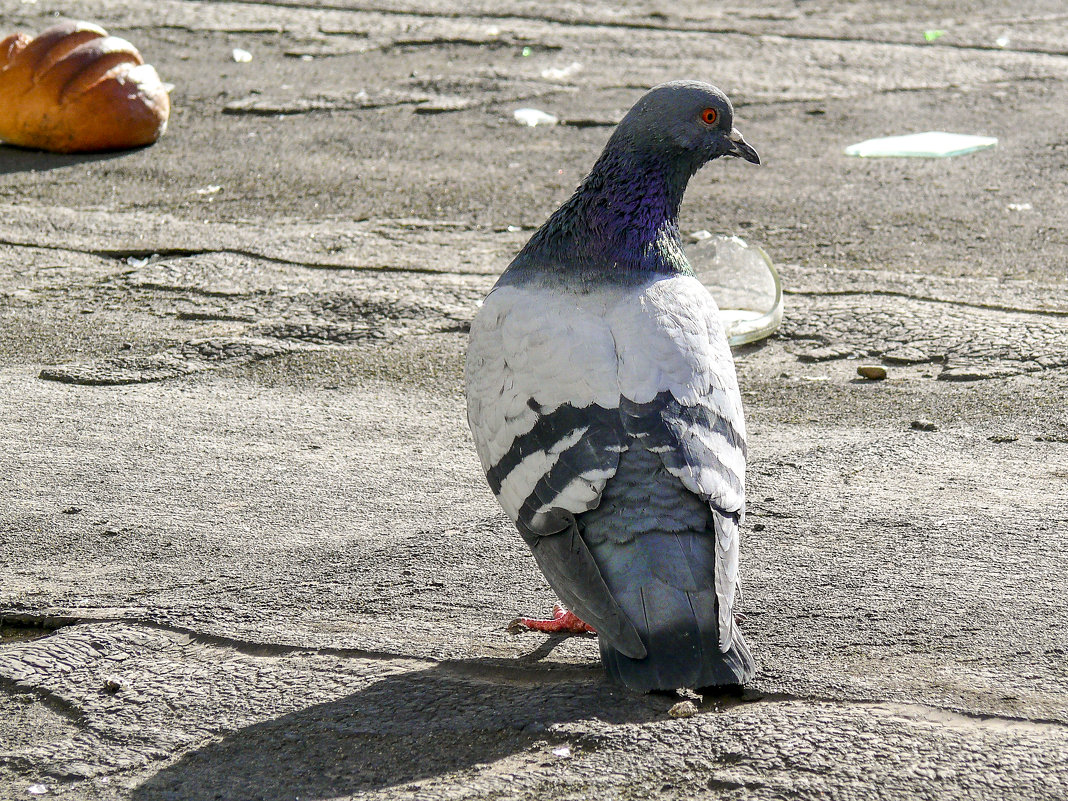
x,y
559,382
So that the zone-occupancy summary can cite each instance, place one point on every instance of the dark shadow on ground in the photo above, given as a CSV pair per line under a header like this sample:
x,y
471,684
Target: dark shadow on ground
x,y
18,159
402,729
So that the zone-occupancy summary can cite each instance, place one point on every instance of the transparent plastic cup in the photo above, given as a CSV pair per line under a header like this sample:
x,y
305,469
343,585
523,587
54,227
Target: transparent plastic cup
x,y
744,283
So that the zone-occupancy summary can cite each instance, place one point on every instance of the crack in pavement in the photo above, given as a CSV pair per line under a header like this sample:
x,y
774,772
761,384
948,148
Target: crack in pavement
x,y
285,307
981,344
951,717
427,96
169,253
925,299
696,28
525,669
510,671
284,310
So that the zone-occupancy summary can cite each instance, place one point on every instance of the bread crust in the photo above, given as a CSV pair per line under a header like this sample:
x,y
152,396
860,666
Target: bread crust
x,y
74,89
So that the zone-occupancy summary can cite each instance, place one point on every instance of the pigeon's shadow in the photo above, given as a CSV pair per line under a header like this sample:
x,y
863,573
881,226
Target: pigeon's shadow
x,y
403,728
18,159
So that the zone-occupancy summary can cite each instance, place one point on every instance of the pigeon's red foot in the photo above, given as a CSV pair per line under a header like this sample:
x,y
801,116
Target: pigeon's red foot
x,y
563,622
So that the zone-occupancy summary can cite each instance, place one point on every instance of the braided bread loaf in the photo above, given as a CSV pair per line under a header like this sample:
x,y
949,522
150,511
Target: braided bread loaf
x,y
76,89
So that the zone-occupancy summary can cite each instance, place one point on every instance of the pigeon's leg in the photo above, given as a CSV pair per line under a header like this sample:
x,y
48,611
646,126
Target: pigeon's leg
x,y
562,622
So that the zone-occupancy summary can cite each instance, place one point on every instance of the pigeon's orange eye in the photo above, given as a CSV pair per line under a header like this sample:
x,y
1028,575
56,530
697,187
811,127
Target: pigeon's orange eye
x,y
709,116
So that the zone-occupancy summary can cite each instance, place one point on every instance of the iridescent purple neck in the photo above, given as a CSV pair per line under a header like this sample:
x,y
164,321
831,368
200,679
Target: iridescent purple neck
x,y
622,220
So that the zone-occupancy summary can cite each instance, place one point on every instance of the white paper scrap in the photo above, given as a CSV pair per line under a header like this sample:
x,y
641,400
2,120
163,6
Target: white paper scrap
x,y
533,117
930,144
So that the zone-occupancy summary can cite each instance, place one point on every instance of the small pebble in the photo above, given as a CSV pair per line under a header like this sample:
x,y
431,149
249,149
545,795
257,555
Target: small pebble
x,y
112,684
72,510
924,425
683,709
875,372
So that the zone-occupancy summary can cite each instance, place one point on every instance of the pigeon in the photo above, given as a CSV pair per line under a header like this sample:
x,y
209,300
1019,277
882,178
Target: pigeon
x,y
604,406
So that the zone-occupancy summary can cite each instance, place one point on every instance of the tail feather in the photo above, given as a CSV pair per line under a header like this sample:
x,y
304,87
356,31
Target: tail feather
x,y
672,629
666,588
662,551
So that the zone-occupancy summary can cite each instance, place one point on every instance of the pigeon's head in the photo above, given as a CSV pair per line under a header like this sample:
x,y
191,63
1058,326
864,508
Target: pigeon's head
x,y
686,121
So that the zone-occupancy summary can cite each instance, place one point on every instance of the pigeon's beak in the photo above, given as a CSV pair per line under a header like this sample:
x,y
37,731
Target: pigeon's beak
x,y
736,146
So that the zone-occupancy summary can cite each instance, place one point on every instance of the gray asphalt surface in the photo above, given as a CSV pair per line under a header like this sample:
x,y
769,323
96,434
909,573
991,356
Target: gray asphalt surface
x,y
246,551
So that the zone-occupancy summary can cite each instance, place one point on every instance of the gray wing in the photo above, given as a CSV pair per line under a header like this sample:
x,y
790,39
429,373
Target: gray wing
x,y
683,400
558,383
543,405
700,445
